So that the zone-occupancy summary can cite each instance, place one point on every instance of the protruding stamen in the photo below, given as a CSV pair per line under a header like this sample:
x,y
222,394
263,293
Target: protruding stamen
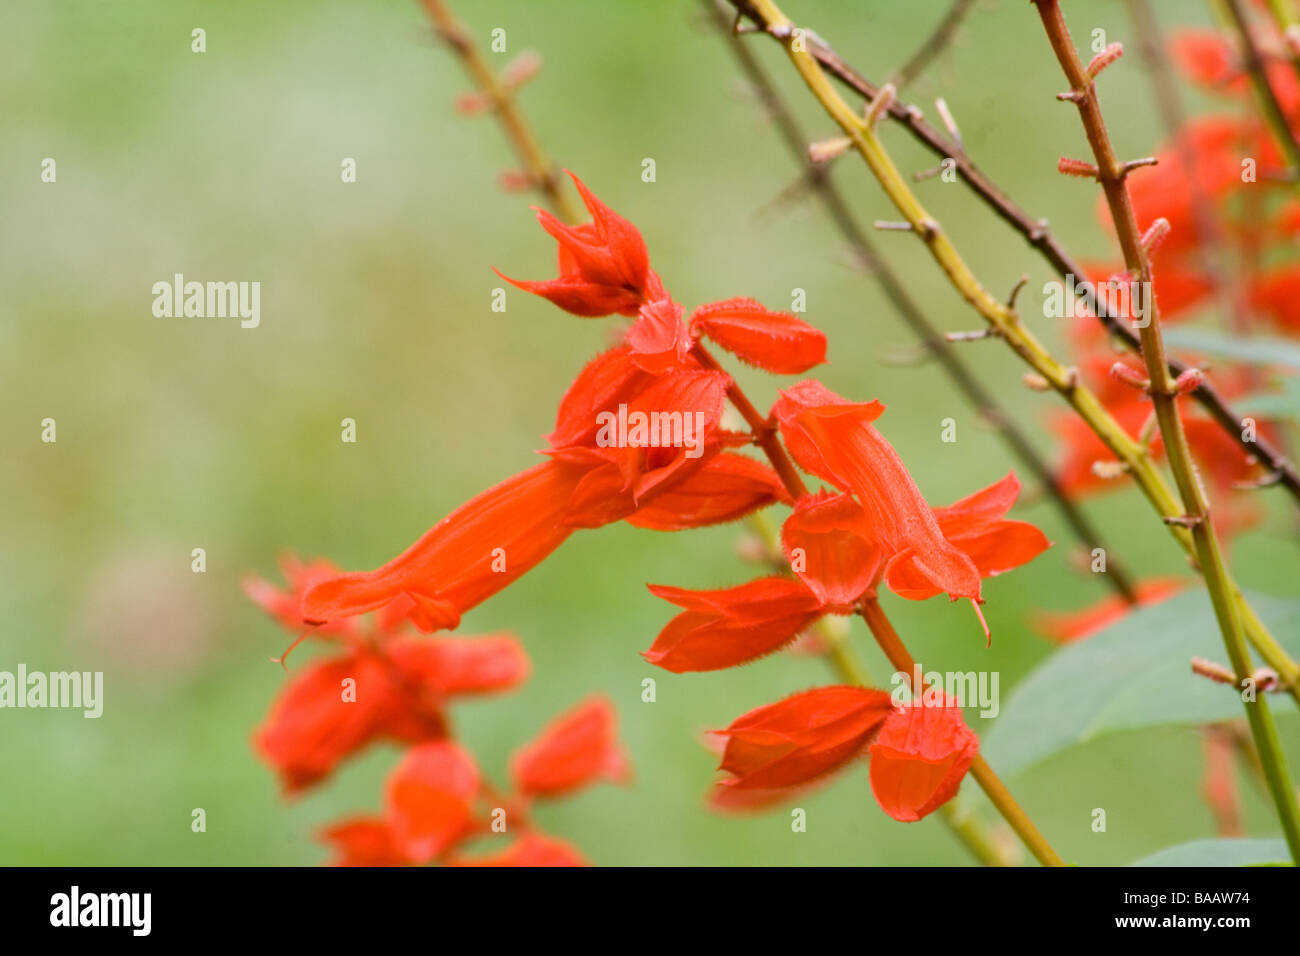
x,y
988,635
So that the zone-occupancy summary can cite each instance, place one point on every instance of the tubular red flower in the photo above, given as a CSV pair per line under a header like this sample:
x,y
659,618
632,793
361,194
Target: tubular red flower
x,y
480,548
919,758
832,548
449,666
1065,627
574,750
974,525
863,462
796,400
429,799
775,341
725,488
724,628
312,727
363,841
604,267
659,339
803,737
531,849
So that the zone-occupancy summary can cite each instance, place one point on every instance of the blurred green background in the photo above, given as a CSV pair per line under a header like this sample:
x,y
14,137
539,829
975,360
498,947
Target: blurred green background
x,y
175,434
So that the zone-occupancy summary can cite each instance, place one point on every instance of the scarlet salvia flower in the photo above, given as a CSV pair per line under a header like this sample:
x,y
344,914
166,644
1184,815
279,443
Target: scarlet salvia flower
x,y
1064,627
364,841
609,459
803,737
533,849
976,526
474,552
604,266
833,549
919,758
726,487
335,707
573,751
774,341
724,628
429,799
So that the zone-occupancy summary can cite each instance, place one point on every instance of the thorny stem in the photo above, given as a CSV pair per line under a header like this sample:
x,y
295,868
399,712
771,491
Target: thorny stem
x,y
989,782
1264,92
1006,322
1035,231
1213,256
541,173
961,374
763,430
844,659
1111,174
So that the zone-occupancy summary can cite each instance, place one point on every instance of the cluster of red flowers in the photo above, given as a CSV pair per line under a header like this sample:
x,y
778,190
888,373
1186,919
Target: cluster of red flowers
x,y
1211,188
386,683
870,526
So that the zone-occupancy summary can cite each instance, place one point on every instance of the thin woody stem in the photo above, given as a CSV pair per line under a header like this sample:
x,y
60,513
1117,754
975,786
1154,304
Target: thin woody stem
x,y
989,782
1164,396
1035,231
541,173
763,430
1004,319
958,370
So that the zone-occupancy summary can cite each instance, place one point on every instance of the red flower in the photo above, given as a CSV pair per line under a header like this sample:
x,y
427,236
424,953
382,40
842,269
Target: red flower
x,y
336,707
775,341
724,628
429,799
1065,627
919,758
604,266
532,849
836,441
801,738
573,750
725,488
477,550
364,841
974,525
659,339
833,549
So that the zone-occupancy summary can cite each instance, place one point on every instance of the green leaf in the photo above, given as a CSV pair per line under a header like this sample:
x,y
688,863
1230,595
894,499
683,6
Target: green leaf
x,y
1136,673
1233,852
1258,349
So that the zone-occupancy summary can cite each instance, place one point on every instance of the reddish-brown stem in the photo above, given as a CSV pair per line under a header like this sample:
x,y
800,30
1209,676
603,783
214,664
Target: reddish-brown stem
x,y
763,429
